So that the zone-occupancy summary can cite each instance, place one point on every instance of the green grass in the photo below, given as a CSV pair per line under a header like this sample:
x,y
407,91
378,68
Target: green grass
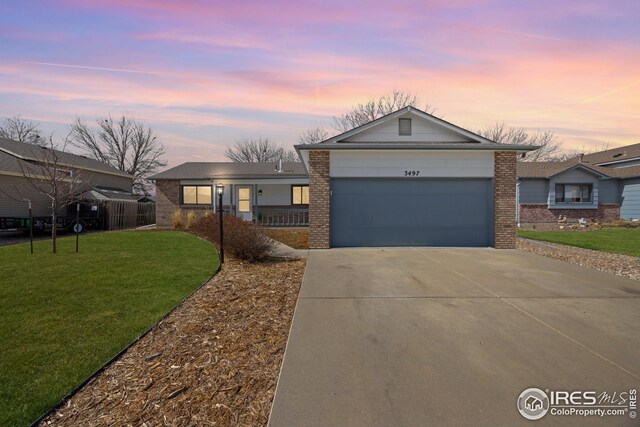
x,y
63,316
617,240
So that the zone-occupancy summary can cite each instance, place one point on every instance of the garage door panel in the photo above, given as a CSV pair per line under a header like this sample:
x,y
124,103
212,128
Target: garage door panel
x,y
411,212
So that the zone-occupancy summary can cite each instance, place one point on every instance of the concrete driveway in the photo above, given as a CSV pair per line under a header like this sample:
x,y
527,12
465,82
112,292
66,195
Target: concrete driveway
x,y
411,337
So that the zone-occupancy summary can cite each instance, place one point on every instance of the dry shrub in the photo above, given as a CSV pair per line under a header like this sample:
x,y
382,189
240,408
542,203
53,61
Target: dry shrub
x,y
242,239
191,219
176,219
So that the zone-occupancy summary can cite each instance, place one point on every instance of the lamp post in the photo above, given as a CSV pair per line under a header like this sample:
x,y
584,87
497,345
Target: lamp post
x,y
220,192
30,227
77,226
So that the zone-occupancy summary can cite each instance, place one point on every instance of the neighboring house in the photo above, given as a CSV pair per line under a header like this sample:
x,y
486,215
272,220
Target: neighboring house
x,y
599,187
108,182
262,192
405,179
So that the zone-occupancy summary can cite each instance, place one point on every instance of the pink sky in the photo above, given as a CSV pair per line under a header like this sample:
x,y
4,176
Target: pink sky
x,y
205,73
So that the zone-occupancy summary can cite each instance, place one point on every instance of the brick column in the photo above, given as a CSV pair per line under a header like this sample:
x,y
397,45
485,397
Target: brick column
x,y
504,200
167,201
319,200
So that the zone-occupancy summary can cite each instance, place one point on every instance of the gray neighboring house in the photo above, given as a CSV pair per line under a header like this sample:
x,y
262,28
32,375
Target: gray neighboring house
x,y
267,193
599,187
108,182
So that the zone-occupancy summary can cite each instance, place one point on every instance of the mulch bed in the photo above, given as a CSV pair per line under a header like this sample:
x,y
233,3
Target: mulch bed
x,y
214,361
622,265
296,237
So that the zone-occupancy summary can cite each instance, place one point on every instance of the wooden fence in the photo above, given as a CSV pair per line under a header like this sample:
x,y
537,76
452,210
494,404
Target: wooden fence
x,y
121,214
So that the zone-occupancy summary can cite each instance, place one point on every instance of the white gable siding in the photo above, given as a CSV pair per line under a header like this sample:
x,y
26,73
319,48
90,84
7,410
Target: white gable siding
x,y
421,131
390,164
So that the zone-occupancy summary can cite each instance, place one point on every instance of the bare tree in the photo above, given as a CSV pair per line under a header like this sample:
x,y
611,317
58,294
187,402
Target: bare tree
x,y
573,153
549,149
258,150
313,136
125,144
48,174
22,130
373,109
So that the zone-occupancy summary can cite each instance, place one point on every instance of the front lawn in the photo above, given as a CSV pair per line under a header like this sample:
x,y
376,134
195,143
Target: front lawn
x,y
64,315
617,240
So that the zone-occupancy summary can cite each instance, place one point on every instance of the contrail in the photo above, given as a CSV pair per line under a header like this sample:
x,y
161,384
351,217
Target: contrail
x,y
610,92
87,67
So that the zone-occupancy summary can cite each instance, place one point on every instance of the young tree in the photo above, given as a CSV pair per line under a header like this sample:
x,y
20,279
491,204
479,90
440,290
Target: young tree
x,y
125,144
376,108
313,136
22,130
48,174
549,150
258,150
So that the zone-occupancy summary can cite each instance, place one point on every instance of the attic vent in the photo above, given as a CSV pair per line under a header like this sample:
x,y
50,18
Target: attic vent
x,y
404,126
619,154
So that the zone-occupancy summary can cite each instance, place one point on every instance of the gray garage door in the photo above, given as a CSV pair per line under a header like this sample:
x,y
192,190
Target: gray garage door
x,y
411,212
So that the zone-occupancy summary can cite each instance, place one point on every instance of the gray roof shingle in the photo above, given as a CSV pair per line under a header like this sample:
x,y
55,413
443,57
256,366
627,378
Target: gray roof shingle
x,y
613,155
208,170
9,149
549,169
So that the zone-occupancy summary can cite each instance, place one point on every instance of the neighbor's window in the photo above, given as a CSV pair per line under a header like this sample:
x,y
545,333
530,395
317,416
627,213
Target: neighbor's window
x,y
404,126
573,193
196,195
300,195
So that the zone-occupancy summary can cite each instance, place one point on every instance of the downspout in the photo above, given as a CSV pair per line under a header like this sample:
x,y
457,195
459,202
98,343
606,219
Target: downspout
x,y
517,202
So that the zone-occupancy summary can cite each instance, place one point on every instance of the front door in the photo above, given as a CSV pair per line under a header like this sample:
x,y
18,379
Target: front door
x,y
243,196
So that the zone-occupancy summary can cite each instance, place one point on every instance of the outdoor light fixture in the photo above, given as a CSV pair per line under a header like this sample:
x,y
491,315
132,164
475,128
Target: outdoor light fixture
x,y
220,193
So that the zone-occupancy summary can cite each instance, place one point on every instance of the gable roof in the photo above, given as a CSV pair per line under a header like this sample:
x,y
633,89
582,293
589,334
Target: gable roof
x,y
475,141
613,155
11,150
208,170
550,169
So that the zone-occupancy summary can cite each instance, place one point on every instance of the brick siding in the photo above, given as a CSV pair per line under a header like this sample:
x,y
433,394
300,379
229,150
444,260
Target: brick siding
x,y
167,201
531,214
504,200
319,200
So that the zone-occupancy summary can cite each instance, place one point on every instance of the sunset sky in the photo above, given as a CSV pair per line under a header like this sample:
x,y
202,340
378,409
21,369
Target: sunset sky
x,y
205,73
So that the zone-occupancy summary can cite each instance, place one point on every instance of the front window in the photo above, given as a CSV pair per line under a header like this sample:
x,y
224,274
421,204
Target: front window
x,y
196,195
573,193
300,195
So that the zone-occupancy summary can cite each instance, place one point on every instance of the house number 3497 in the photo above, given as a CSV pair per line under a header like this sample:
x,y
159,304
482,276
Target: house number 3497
x,y
411,173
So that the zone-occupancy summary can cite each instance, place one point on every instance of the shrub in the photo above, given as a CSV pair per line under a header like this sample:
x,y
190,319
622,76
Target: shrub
x,y
242,239
176,219
191,219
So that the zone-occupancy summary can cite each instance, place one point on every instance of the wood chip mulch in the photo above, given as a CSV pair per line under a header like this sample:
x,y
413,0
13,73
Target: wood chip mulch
x,y
622,265
214,361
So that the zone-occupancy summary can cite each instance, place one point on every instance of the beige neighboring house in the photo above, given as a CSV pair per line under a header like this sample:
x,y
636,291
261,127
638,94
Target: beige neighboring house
x,y
406,179
106,182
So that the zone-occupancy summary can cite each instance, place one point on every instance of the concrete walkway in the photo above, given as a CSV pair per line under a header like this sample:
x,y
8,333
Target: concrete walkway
x,y
413,337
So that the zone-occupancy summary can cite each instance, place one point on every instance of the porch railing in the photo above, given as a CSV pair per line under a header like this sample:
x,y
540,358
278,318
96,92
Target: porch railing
x,y
273,217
